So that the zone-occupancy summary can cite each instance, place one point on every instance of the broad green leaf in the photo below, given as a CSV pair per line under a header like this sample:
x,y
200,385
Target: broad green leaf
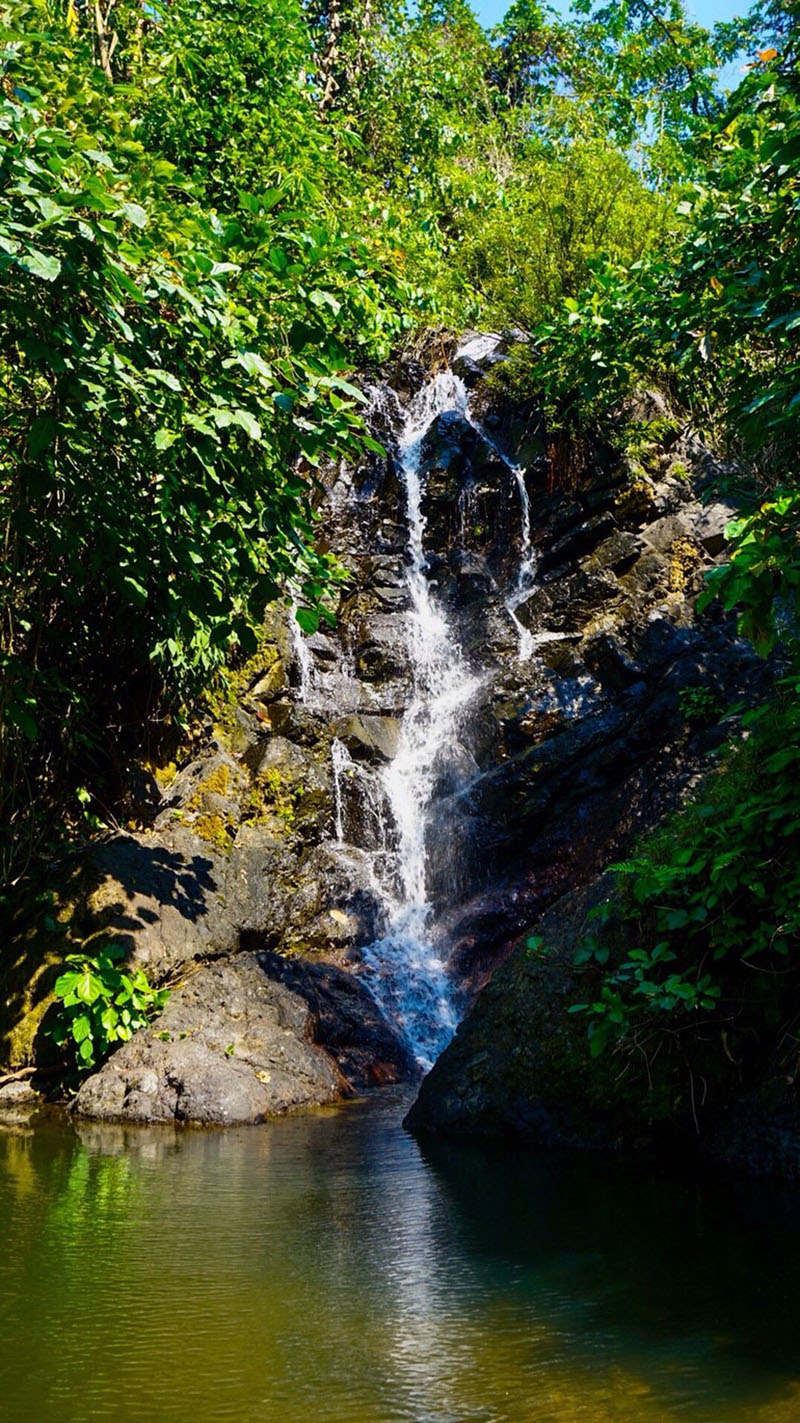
x,y
40,264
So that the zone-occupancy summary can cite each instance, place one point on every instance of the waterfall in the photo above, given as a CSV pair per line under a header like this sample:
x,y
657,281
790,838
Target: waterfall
x,y
526,573
407,975
387,813
303,658
359,804
341,761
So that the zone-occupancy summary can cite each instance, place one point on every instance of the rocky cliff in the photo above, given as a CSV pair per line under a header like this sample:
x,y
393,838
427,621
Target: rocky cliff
x,y
270,863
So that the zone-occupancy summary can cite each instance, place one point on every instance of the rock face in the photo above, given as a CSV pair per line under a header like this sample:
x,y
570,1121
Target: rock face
x,y
268,863
520,1065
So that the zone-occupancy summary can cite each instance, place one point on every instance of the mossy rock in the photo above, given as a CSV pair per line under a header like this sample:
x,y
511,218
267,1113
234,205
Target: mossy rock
x,y
521,1061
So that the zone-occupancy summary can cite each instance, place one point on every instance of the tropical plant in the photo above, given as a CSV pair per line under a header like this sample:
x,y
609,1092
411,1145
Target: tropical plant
x,y
101,1005
702,930
171,384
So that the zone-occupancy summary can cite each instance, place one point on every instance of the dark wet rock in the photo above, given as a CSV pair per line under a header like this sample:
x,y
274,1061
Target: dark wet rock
x,y
662,533
520,1065
289,724
608,660
617,553
334,906
381,653
579,541
478,351
348,1023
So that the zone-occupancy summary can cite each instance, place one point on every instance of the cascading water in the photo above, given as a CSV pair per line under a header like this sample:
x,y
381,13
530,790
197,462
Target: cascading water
x,y
408,976
526,574
393,808
303,658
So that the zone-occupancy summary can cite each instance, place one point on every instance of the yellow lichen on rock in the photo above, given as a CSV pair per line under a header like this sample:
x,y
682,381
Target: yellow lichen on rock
x,y
217,782
273,798
684,560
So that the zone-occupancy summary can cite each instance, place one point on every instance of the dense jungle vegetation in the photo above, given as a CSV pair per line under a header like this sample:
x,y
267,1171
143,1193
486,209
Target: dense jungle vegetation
x,y
213,216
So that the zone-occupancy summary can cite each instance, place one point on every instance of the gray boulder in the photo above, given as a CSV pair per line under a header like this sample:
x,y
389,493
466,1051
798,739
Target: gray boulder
x,y
244,1039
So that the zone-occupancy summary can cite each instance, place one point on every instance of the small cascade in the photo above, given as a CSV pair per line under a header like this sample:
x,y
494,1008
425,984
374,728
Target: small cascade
x,y
303,658
341,760
388,813
409,977
359,805
526,574
477,349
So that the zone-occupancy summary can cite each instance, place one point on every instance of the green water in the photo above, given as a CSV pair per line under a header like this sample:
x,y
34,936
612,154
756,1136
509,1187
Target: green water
x,y
327,1268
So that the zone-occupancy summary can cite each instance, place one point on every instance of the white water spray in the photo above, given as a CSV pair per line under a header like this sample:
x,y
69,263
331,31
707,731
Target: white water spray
x,y
526,574
476,349
341,761
303,658
407,974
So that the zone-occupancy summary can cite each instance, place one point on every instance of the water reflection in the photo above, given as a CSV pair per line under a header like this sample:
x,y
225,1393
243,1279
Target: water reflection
x,y
325,1267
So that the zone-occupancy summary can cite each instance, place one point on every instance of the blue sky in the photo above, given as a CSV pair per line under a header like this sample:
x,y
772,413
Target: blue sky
x,y
706,11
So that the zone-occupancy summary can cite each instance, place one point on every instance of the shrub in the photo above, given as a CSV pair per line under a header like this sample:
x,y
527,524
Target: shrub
x,y
100,1005
702,931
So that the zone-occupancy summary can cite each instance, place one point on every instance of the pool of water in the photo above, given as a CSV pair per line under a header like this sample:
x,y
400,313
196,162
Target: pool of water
x,y
328,1268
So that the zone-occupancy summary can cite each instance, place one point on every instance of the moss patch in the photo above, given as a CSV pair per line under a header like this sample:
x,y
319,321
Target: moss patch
x,y
217,782
272,798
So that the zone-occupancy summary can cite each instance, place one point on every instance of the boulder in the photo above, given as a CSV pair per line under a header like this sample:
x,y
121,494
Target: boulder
x,y
232,1046
519,1062
375,737
244,1039
19,1103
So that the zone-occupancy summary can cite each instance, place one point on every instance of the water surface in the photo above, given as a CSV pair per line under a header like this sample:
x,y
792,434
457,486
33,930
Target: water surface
x,y
327,1268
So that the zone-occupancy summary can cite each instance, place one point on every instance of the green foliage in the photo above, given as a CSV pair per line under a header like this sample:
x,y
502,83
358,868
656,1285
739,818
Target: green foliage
x,y
713,321
171,382
206,230
536,948
699,704
696,951
101,1006
564,202
702,931
763,577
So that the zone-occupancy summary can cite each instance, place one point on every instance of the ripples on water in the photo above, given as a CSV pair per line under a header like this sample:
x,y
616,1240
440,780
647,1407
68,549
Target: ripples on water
x,y
326,1268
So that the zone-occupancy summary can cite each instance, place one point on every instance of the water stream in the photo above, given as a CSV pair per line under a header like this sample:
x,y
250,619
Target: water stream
x,y
408,976
405,969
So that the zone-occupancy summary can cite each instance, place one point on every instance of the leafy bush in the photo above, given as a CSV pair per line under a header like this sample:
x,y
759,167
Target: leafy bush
x,y
171,383
702,931
762,579
101,1005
